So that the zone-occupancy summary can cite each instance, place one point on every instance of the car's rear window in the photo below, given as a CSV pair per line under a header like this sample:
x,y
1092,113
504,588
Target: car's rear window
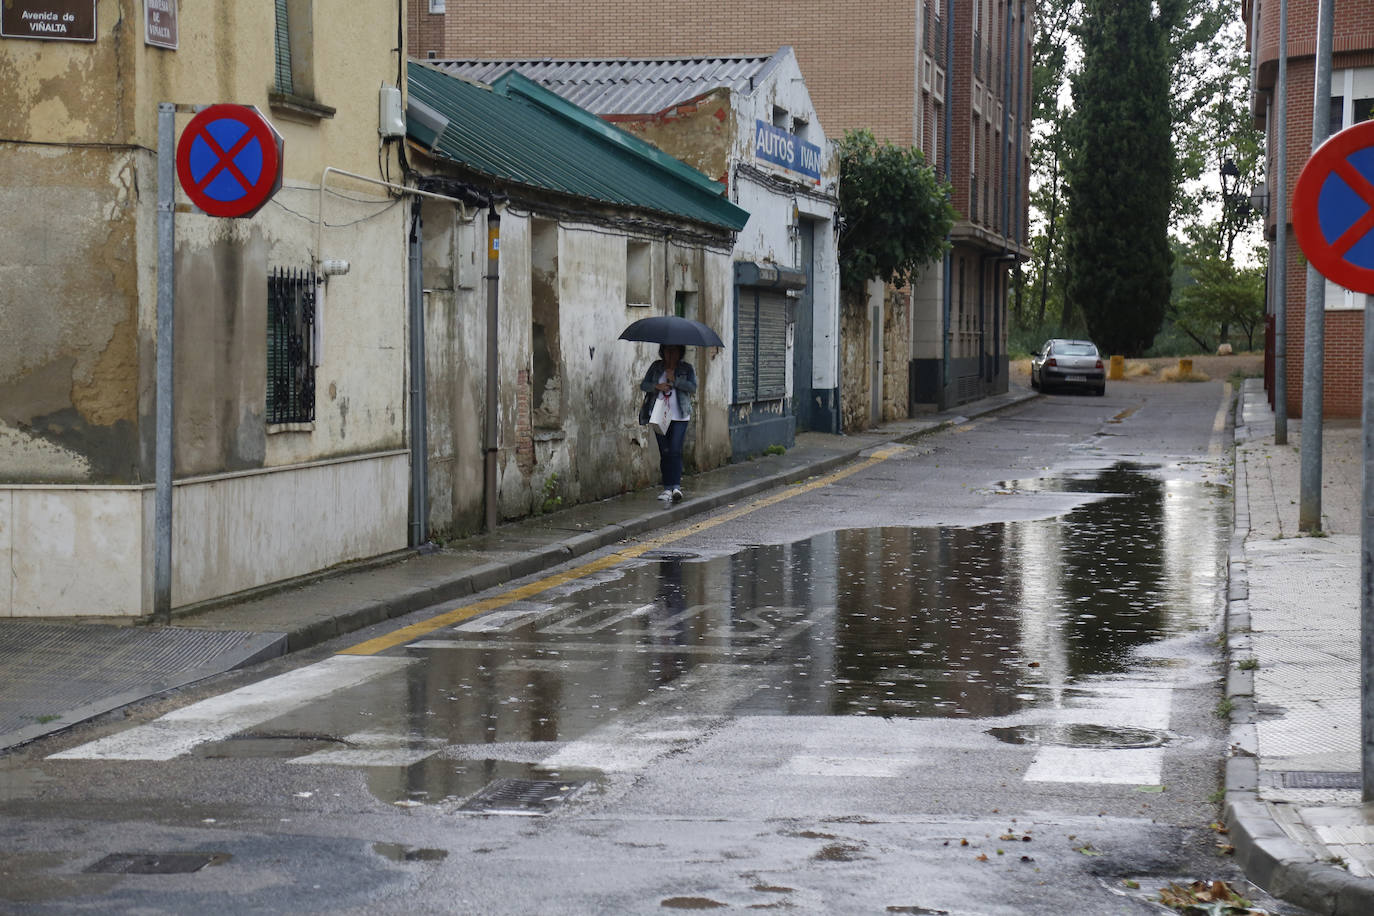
x,y
1076,349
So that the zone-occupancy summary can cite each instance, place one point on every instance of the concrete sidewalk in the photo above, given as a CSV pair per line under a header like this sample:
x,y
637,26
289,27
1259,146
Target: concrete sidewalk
x,y
1293,778
56,673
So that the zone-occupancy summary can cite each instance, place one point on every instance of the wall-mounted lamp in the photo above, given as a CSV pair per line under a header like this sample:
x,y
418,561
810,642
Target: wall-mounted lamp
x,y
1259,198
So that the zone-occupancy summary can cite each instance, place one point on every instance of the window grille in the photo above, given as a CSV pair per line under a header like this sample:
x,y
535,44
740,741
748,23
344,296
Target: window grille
x,y
290,346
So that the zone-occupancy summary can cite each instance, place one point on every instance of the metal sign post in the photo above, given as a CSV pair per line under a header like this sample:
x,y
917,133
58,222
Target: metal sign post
x,y
229,162
1333,219
166,299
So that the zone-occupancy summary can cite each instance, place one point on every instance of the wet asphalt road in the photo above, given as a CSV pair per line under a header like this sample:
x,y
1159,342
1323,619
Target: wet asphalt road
x,y
978,676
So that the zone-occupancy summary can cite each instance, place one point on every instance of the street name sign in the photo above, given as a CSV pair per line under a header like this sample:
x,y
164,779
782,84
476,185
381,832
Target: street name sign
x,y
229,160
1333,208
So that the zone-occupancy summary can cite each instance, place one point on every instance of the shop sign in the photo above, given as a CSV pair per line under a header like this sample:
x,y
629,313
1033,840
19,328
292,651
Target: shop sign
x,y
48,20
777,146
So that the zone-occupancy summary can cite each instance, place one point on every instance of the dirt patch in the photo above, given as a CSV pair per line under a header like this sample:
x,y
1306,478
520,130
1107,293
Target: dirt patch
x,y
1217,368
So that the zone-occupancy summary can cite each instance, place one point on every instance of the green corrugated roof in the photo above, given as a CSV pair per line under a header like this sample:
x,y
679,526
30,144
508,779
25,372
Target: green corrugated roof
x,y
519,132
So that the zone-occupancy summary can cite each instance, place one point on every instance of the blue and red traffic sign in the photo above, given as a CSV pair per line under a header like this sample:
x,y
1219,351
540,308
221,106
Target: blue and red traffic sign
x,y
229,160
1333,208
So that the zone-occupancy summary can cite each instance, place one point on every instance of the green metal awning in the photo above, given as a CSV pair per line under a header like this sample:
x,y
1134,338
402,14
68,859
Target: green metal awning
x,y
518,132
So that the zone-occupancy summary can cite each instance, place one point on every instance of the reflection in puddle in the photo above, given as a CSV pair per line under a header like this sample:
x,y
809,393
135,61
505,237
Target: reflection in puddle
x,y
897,622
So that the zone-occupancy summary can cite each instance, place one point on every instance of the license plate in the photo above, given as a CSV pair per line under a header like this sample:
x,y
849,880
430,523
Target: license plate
x,y
1073,378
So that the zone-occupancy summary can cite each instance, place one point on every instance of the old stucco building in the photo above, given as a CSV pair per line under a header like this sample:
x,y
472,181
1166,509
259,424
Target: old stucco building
x,y
749,123
290,409
596,230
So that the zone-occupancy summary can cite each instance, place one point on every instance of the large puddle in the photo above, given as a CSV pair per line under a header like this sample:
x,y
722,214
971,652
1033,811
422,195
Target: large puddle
x,y
906,622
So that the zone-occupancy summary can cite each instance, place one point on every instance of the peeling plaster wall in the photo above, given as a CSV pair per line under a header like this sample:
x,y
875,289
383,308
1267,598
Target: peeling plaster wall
x,y
702,133
597,448
78,284
69,352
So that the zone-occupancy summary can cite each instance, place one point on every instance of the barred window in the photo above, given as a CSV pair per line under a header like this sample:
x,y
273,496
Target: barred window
x,y
290,346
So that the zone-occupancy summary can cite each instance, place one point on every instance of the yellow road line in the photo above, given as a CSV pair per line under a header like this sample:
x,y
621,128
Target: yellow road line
x,y
529,590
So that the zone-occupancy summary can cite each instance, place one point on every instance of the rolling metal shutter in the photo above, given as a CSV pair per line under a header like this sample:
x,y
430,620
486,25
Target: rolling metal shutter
x,y
746,347
772,338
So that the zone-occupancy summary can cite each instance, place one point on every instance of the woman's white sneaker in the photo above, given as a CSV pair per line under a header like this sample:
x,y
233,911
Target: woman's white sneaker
x,y
666,496
677,494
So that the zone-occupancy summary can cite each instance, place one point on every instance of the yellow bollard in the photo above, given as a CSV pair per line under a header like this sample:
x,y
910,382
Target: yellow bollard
x,y
1185,368
1118,369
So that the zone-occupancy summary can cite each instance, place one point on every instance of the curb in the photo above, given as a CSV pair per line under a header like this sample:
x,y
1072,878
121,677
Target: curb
x,y
1267,855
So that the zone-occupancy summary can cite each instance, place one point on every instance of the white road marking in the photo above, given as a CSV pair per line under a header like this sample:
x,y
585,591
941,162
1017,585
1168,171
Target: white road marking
x,y
1136,767
216,718
375,749
1108,705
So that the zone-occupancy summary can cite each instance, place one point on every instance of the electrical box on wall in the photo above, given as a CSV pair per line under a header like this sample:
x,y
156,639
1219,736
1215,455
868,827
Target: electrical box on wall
x,y
391,116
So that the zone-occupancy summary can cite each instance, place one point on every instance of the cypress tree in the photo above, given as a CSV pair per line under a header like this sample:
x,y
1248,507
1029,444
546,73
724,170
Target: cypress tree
x,y
1121,174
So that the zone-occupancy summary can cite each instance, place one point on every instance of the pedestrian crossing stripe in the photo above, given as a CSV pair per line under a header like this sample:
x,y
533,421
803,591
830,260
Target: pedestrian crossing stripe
x,y
216,718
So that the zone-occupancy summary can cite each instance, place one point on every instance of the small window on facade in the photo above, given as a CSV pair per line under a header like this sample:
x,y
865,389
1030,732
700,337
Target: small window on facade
x,y
436,6
294,74
546,370
284,81
639,273
685,304
780,117
291,346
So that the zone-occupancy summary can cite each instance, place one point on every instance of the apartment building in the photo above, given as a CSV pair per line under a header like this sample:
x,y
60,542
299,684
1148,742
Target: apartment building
x,y
1352,101
950,78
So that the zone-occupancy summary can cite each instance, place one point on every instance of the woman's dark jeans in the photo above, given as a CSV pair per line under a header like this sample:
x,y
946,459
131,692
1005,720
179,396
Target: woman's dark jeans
x,y
670,453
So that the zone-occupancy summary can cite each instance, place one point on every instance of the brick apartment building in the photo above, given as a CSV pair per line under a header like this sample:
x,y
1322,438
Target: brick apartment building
x,y
1352,101
956,86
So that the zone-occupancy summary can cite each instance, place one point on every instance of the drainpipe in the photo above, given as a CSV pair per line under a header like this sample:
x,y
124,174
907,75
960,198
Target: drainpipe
x,y
493,287
419,439
983,316
949,261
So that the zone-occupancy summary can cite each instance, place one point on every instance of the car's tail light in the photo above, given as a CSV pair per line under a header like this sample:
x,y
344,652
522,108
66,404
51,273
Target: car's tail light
x,y
1099,364
1051,362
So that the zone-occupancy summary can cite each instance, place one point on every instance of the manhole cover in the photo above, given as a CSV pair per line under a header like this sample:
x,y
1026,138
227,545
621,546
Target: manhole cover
x,y
671,555
521,796
156,863
1318,779
1079,735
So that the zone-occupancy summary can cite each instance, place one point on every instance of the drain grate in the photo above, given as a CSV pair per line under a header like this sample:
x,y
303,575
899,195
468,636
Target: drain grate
x,y
155,863
521,796
1319,779
670,555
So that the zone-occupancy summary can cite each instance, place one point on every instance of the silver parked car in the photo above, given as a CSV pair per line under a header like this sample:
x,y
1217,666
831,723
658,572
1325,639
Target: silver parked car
x,y
1065,363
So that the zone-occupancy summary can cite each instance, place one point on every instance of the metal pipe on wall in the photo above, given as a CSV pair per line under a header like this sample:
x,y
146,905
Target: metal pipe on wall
x,y
493,279
419,437
1278,188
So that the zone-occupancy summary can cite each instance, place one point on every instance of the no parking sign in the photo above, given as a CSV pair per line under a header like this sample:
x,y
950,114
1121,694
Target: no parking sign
x,y
229,160
1333,208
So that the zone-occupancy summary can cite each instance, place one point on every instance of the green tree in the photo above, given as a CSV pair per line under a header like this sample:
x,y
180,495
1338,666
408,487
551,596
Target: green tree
x,y
1050,56
895,214
1216,296
1121,173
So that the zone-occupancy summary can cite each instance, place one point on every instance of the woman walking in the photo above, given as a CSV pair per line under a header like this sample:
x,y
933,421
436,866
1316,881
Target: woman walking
x,y
672,381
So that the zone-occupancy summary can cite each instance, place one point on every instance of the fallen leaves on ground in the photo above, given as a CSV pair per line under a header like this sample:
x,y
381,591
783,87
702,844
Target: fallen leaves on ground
x,y
1208,897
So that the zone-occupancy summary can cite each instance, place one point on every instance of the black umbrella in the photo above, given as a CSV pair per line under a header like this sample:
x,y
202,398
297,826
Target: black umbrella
x,y
670,329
